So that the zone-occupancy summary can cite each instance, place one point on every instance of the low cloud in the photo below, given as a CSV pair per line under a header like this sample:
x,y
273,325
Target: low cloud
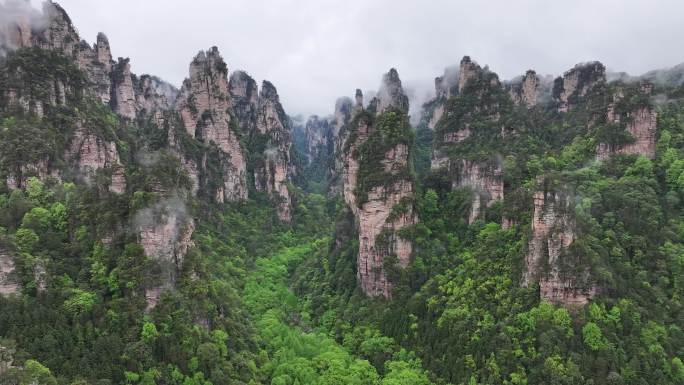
x,y
17,19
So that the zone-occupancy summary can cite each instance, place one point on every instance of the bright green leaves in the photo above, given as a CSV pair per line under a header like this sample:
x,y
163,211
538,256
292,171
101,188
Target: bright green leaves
x,y
149,332
80,302
404,373
593,337
26,240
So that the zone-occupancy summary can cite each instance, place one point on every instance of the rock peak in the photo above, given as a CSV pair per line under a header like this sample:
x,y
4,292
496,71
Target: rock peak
x,y
359,99
269,91
577,82
467,70
212,61
244,93
101,37
391,93
526,91
343,105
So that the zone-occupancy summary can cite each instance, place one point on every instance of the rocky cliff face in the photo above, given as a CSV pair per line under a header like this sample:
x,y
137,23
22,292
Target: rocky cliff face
x,y
344,108
381,211
525,92
639,120
569,89
89,153
553,231
9,283
272,175
43,169
468,69
123,95
165,234
153,97
262,119
317,132
479,103
109,81
54,31
484,179
204,106
446,86
391,93
244,94
97,63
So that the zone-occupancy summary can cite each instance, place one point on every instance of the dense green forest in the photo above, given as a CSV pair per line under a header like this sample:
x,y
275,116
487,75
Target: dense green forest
x,y
253,296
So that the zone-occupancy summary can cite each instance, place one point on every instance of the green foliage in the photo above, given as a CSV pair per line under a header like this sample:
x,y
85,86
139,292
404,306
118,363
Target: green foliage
x,y
593,337
257,302
80,302
34,72
390,129
149,332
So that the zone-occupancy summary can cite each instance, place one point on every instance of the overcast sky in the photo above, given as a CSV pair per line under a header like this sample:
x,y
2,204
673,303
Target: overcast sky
x,y
317,50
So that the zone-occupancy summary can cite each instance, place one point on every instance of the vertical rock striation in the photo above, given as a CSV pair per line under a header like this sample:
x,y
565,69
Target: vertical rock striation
x,y
317,133
381,210
9,282
165,234
471,115
576,83
446,86
272,174
344,108
204,106
553,231
525,92
244,95
391,93
638,119
262,119
485,179
89,153
123,96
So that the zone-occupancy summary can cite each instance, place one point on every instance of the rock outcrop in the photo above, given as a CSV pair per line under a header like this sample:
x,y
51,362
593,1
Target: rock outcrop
x,y
446,86
484,97
553,231
261,118
43,169
89,153
344,109
317,133
639,120
526,91
244,96
485,179
153,96
165,234
109,81
123,100
204,105
273,173
98,64
391,93
468,69
54,31
381,211
9,282
576,83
